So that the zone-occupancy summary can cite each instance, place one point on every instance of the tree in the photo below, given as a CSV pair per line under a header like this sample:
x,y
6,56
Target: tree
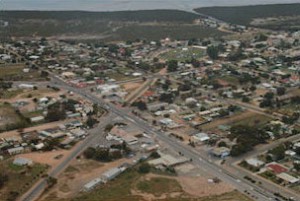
x,y
89,153
108,127
213,52
297,166
278,152
280,91
141,105
55,112
3,179
91,122
51,181
172,65
144,168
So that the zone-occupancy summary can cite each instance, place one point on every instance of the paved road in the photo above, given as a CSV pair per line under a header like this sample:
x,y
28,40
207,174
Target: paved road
x,y
198,158
37,189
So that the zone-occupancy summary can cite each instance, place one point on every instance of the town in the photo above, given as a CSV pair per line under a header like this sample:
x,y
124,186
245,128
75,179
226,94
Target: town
x,y
228,106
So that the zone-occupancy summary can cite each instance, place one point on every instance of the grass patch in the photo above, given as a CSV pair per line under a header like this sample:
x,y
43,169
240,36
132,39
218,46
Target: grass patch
x,y
157,32
115,190
270,176
159,186
7,94
183,55
20,179
257,120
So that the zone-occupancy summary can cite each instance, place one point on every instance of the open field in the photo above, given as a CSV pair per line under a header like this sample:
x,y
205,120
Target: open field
x,y
244,118
133,186
20,179
9,117
157,32
14,72
244,15
183,54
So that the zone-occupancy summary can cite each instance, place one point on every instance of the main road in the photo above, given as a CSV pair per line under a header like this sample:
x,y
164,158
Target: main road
x,y
39,187
261,193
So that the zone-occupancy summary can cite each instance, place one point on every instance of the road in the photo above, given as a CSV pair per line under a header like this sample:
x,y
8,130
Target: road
x,y
235,179
38,188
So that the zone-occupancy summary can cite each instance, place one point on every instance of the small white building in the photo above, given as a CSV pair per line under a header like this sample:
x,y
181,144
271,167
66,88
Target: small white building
x,y
22,162
255,162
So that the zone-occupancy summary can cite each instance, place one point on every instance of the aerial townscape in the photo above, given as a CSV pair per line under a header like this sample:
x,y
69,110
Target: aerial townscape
x,y
146,105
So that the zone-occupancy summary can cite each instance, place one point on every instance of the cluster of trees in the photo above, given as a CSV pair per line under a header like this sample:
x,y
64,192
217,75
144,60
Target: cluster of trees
x,y
3,179
141,105
57,111
268,100
246,137
172,66
107,154
5,85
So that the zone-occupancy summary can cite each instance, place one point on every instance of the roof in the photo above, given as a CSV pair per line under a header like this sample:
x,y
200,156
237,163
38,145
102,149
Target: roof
x,y
255,162
286,177
22,161
277,168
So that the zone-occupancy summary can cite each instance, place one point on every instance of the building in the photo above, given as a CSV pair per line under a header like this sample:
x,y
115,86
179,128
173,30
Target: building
x,y
255,162
16,150
221,152
287,178
276,168
111,174
167,160
92,184
22,162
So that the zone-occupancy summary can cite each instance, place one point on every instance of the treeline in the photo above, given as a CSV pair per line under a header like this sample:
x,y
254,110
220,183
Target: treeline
x,y
141,16
243,15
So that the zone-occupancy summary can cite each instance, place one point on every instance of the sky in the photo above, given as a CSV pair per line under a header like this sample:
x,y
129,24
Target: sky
x,y
114,5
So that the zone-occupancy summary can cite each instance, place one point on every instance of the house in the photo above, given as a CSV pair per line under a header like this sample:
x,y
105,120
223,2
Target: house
x,y
16,150
22,162
255,162
26,86
200,138
37,119
221,152
167,160
287,178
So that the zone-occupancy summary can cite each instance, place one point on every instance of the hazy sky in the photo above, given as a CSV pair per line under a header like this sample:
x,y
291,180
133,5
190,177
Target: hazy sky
x,y
112,5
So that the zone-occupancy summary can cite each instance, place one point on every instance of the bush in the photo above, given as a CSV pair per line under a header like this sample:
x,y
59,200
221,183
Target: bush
x,y
144,168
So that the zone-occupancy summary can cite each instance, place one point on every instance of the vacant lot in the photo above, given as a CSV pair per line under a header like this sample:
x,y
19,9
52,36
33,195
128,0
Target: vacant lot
x,y
133,186
14,72
20,179
9,117
182,54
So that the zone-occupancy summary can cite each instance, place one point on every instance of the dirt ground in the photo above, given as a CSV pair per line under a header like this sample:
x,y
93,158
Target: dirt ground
x,y
131,86
193,186
200,187
47,158
79,173
228,120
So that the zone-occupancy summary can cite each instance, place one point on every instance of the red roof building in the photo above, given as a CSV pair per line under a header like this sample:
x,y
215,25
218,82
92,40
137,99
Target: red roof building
x,y
277,168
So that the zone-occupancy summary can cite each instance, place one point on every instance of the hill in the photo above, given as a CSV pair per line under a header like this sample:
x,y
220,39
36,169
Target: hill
x,y
121,25
265,16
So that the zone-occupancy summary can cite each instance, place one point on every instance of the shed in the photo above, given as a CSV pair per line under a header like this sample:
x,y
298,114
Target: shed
x,y
22,161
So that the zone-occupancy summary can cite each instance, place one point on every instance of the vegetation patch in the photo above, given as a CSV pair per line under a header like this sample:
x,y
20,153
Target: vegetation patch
x,y
244,15
158,186
19,178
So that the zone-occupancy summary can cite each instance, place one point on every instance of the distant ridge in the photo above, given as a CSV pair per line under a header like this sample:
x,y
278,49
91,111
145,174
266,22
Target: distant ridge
x,y
243,15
